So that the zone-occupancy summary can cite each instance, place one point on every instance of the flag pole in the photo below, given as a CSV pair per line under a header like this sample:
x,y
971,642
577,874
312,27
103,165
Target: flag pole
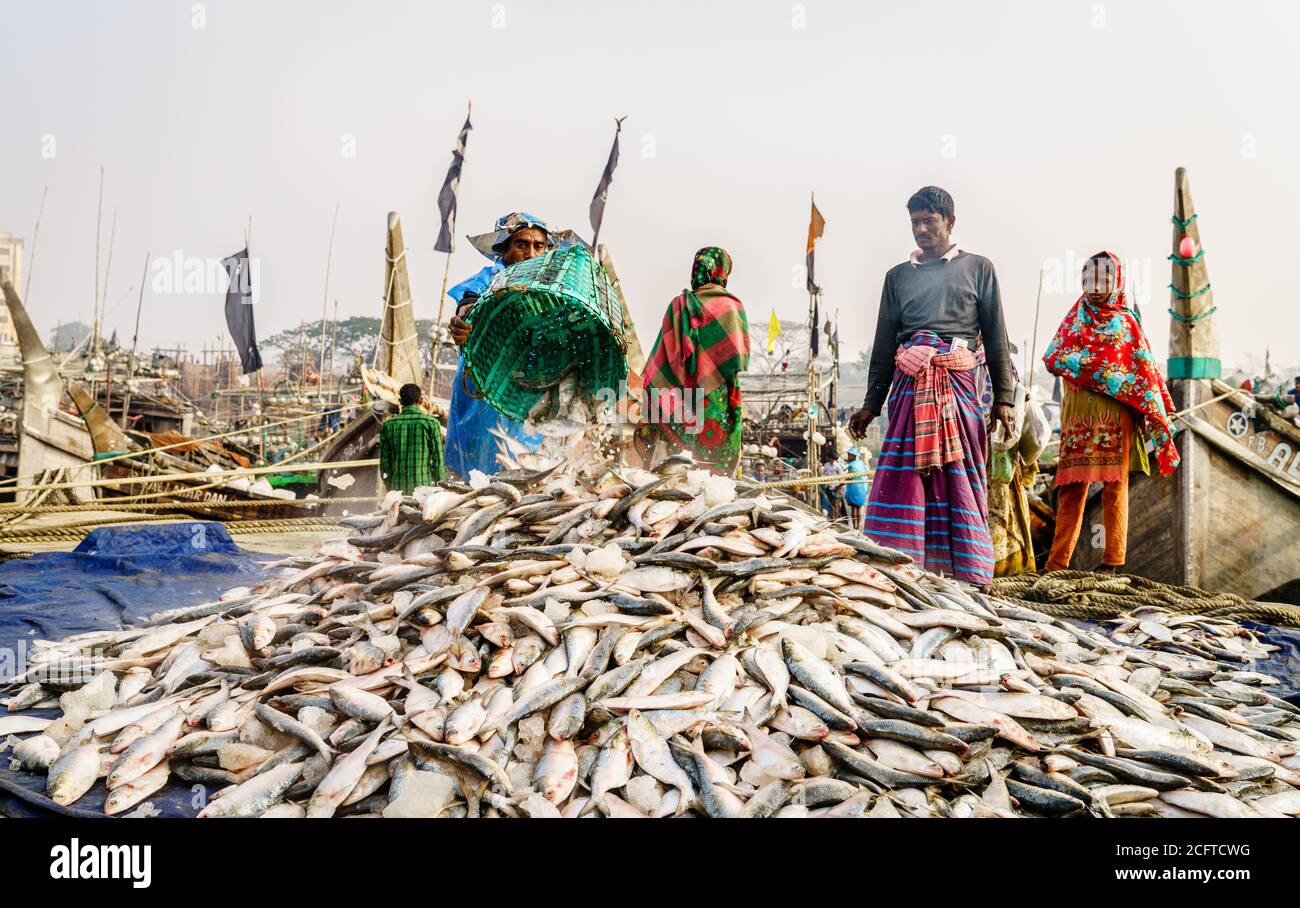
x,y
261,398
31,258
334,338
814,465
1033,348
835,382
99,214
813,462
324,308
135,343
606,178
103,295
435,342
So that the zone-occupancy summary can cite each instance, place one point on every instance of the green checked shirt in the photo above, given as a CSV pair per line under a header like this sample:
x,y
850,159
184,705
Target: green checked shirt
x,y
410,450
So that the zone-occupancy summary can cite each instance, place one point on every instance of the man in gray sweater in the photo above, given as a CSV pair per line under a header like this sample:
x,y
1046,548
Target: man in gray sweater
x,y
929,497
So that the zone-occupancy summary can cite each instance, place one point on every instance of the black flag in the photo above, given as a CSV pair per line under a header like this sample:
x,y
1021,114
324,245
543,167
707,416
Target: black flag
x,y
239,310
602,191
814,335
447,197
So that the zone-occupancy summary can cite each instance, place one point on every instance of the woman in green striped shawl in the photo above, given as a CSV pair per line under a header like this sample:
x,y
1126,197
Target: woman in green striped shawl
x,y
692,378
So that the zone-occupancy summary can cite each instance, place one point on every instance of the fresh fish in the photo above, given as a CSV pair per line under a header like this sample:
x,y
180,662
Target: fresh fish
x,y
664,643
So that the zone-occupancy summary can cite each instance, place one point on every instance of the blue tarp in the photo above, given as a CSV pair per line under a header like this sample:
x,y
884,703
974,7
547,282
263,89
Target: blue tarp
x,y
1283,664
119,575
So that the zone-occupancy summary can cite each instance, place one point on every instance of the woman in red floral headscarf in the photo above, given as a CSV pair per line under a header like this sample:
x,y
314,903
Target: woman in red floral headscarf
x,y
692,377
1115,399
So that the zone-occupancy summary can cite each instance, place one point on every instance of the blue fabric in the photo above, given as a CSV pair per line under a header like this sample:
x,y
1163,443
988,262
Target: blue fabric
x,y
469,446
120,575
855,492
1283,664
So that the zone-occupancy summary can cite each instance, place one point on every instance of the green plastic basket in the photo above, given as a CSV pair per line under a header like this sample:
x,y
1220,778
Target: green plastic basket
x,y
541,320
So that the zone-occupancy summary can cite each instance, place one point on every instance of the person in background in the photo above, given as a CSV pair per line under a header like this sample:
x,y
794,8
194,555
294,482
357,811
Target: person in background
x,y
410,445
515,238
760,471
1114,397
856,491
702,348
830,491
928,498
1294,393
1013,464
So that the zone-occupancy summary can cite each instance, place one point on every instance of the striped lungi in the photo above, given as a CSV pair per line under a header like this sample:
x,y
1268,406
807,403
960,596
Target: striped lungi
x,y
939,518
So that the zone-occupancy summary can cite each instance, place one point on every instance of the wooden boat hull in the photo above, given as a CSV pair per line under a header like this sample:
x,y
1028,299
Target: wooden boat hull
x,y
358,440
1229,518
217,503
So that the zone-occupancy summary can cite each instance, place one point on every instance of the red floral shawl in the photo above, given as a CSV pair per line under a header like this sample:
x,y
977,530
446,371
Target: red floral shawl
x,y
1102,348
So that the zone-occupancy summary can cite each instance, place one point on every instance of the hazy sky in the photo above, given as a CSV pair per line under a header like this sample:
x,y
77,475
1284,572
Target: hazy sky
x,y
1056,126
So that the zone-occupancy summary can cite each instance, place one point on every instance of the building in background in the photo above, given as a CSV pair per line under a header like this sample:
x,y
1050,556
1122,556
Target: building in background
x,y
11,261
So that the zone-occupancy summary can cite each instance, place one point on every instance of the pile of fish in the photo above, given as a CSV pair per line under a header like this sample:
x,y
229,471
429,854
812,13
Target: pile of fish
x,y
588,640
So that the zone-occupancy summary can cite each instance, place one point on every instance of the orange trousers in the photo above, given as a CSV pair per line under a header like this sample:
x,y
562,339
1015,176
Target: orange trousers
x,y
1070,502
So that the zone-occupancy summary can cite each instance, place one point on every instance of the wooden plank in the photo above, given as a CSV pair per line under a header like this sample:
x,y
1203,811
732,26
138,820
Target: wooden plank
x,y
1253,530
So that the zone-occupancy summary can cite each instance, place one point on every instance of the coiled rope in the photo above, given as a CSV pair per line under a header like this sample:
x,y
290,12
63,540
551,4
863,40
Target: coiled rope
x,y
1096,597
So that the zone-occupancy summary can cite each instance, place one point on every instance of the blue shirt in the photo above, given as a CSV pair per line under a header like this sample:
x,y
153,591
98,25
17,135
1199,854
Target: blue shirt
x,y
469,445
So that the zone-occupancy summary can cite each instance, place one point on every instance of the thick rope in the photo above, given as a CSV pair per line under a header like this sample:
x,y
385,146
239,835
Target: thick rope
x,y
77,532
111,504
1082,594
815,480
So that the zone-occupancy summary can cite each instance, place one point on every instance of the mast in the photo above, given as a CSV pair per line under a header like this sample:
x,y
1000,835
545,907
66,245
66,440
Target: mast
x,y
94,321
135,343
302,354
324,309
814,461
31,256
103,298
261,390
1033,347
334,336
835,379
1193,365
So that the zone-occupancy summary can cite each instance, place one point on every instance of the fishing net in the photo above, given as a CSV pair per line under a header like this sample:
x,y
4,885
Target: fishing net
x,y
540,321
